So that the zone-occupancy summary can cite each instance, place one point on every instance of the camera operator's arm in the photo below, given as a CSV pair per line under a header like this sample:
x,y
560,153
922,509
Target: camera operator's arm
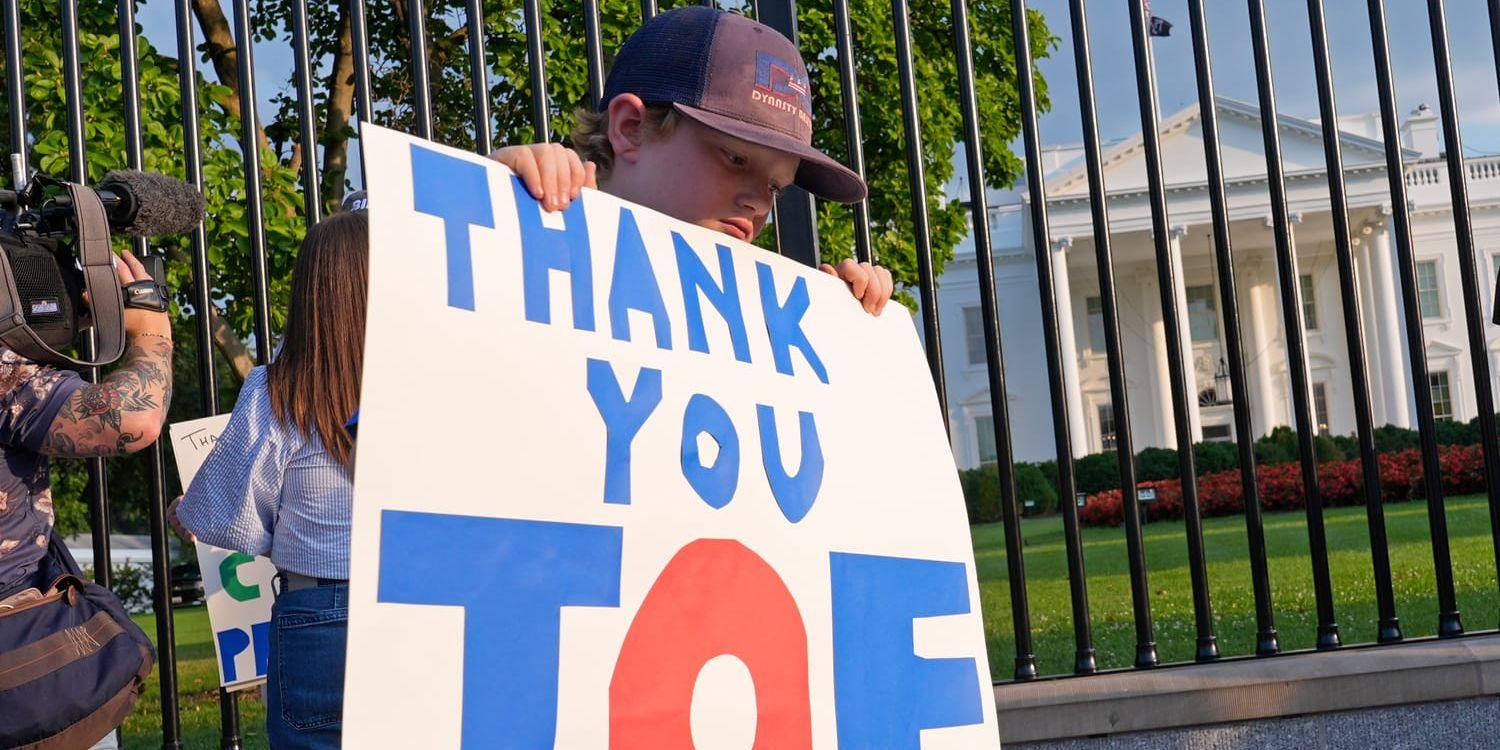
x,y
123,412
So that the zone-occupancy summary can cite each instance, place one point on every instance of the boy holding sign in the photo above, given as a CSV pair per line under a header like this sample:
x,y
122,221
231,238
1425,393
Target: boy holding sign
x,y
706,117
655,527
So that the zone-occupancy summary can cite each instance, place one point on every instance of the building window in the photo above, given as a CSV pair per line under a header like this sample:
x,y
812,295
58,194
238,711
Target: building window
x,y
1442,396
1106,427
1320,407
984,433
1203,315
1309,303
1218,432
1094,307
1427,289
974,335
1495,266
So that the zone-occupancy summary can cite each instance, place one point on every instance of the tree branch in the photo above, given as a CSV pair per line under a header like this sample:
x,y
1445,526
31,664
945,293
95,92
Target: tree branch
x,y
340,108
230,345
224,56
227,341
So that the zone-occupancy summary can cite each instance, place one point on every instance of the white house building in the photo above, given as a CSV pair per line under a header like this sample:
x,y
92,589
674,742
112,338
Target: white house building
x,y
1141,328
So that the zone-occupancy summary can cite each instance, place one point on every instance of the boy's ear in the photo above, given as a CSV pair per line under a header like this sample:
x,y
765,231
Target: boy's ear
x,y
626,115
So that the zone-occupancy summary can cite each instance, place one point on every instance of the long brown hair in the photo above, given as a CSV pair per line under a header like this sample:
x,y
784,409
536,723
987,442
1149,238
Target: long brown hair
x,y
314,381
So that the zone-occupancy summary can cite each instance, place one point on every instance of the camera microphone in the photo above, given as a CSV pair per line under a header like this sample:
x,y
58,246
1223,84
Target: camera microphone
x,y
147,204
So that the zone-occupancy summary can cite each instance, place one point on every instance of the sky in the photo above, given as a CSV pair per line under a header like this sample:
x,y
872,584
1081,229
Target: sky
x,y
1228,23
1291,59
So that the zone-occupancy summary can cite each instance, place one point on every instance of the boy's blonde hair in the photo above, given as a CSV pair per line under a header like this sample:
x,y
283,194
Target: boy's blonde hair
x,y
591,133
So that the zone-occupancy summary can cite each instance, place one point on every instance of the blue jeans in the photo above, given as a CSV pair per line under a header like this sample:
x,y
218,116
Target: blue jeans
x,y
305,671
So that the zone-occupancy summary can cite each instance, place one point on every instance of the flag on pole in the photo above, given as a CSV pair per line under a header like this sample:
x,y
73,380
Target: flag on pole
x,y
1158,26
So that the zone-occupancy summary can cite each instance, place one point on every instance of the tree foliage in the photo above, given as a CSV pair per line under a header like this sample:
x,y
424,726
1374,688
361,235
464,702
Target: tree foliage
x,y
393,86
567,82
162,140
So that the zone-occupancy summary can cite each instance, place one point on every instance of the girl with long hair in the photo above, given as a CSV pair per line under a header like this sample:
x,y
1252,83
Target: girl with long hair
x,y
279,481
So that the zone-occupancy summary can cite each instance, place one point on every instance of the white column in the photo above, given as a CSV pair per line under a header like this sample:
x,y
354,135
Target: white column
x,y
1185,333
1370,313
1166,432
1387,303
1294,220
1062,289
1257,326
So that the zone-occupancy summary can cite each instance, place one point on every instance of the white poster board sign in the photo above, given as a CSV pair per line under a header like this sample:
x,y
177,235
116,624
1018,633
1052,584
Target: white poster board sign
x,y
237,586
627,483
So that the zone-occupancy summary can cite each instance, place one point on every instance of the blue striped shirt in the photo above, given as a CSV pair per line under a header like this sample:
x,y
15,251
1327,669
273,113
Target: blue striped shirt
x,y
264,488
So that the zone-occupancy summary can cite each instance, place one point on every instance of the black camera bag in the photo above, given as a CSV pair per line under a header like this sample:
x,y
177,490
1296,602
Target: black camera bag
x,y
40,289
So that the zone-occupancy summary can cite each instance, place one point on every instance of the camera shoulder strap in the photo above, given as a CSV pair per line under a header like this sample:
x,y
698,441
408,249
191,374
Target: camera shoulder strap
x,y
105,296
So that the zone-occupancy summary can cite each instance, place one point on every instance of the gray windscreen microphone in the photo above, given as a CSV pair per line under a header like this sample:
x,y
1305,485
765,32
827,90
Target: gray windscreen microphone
x,y
147,204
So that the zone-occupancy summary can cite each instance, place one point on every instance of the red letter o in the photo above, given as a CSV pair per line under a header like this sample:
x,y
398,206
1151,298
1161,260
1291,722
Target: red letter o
x,y
715,597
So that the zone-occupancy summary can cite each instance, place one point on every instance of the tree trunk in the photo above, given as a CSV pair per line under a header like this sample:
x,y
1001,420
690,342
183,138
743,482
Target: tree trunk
x,y
340,108
224,55
230,345
227,341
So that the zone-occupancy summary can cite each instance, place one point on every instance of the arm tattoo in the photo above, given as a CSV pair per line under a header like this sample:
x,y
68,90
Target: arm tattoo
x,y
90,423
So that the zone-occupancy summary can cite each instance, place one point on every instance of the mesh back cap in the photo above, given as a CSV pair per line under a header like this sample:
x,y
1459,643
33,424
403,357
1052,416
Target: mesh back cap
x,y
737,76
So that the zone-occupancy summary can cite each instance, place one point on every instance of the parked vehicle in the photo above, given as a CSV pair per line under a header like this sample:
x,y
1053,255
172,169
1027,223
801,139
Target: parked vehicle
x,y
187,584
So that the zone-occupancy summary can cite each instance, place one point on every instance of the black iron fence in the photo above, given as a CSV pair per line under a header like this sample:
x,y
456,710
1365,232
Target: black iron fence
x,y
796,229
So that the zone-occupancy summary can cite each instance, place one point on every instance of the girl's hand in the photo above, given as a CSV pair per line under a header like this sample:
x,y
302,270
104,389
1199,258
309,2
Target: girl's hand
x,y
176,523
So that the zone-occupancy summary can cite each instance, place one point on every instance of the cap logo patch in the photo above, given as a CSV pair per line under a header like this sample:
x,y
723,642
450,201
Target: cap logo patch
x,y
780,85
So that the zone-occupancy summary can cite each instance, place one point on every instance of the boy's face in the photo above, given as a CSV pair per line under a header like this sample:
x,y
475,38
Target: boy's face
x,y
703,177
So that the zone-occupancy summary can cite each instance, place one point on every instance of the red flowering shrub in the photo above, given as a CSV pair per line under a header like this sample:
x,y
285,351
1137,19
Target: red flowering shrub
x,y
1280,486
1221,494
1400,475
1339,483
1462,467
1102,509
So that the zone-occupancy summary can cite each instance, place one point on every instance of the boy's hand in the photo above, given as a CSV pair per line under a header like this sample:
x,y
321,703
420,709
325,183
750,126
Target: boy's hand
x,y
870,284
552,172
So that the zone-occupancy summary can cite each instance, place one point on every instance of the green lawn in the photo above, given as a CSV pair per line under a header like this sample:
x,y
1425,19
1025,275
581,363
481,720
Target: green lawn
x,y
1229,583
1109,599
198,694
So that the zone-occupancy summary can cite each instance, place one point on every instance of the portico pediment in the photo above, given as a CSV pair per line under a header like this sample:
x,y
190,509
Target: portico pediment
x,y
1437,349
980,398
1241,147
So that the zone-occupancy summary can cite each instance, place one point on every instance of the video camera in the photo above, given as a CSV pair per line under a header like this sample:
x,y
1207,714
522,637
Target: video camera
x,y
55,245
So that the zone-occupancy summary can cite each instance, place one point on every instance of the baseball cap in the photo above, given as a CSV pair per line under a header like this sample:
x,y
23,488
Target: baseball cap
x,y
736,76
356,201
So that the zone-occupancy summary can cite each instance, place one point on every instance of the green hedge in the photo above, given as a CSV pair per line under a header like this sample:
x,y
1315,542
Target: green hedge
x,y
1100,472
981,488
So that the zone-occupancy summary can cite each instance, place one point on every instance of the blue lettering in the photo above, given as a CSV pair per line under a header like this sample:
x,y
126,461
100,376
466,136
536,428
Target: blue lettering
x,y
261,635
634,287
544,250
524,572
231,643
884,694
715,484
784,323
795,494
458,192
622,420
695,278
